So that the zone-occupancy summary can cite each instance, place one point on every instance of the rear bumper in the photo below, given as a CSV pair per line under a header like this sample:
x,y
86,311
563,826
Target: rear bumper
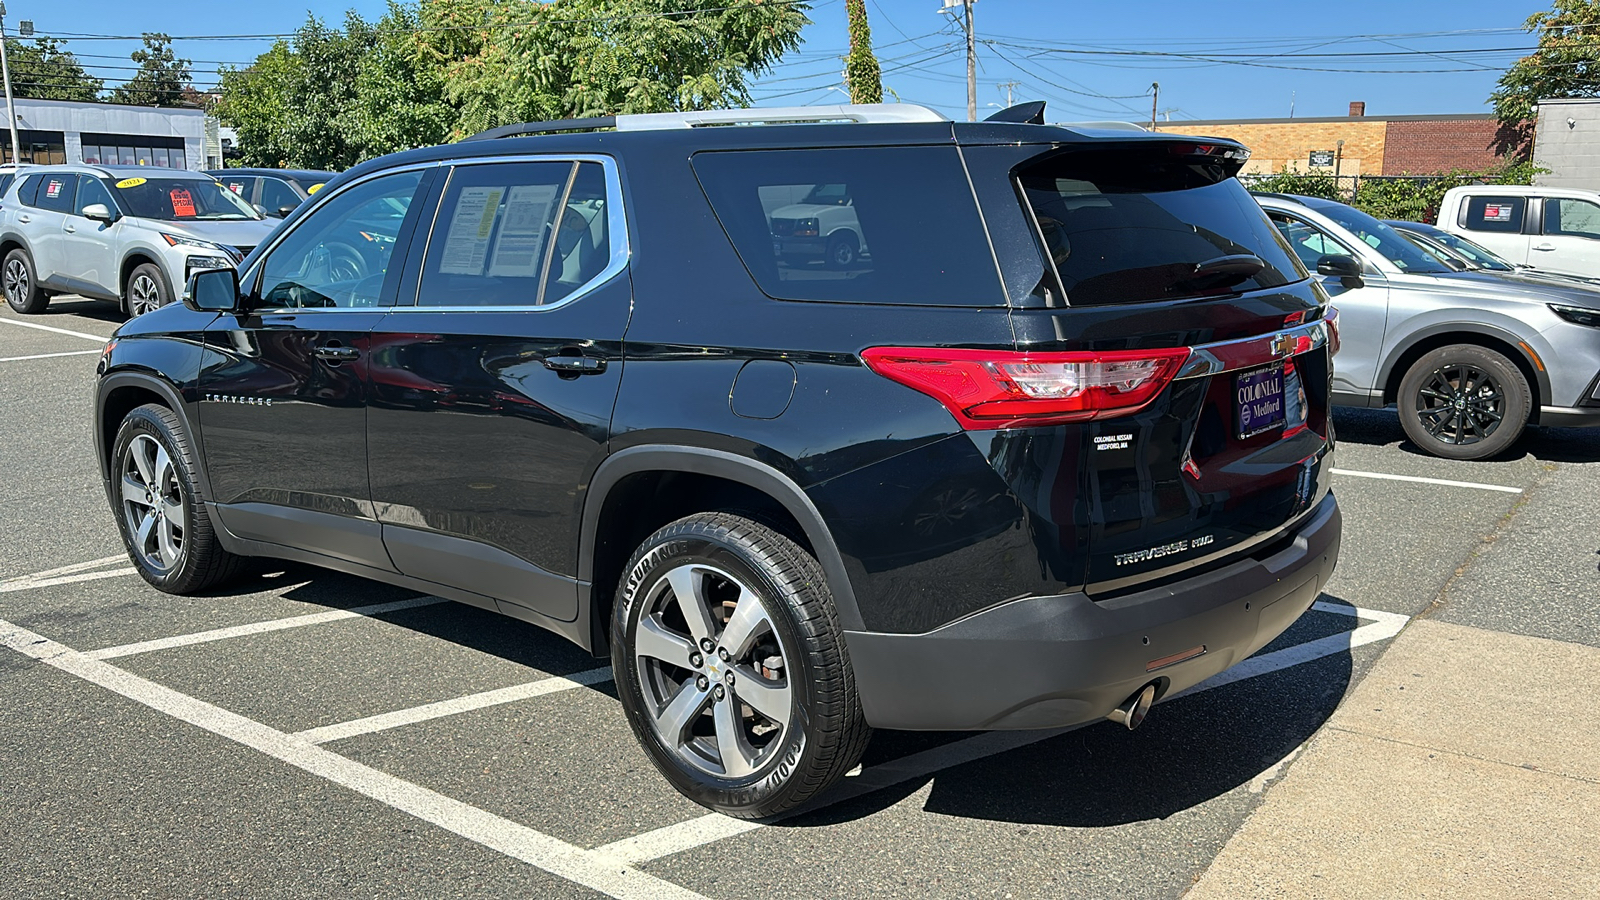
x,y
1046,662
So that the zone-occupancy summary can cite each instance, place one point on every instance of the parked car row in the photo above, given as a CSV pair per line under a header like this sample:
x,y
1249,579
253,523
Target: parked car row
x,y
132,234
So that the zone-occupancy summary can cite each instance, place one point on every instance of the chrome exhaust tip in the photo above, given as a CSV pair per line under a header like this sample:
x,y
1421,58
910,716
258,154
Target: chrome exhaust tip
x,y
1133,710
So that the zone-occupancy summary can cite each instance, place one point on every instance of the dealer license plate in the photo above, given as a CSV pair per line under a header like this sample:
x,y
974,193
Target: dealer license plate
x,y
1258,401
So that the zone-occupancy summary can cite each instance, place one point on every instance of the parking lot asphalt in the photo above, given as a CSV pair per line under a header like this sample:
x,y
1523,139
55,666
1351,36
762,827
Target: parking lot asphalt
x,y
308,734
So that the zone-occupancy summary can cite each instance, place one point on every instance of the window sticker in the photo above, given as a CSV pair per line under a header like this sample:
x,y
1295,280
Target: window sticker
x,y
516,253
467,244
130,182
52,188
182,203
313,189
236,186
1497,212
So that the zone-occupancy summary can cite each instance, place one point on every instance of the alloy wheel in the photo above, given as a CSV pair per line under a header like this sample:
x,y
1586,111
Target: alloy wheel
x,y
143,295
17,283
152,504
713,672
1460,404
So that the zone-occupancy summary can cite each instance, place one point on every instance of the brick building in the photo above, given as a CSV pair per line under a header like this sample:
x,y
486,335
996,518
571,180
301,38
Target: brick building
x,y
1372,145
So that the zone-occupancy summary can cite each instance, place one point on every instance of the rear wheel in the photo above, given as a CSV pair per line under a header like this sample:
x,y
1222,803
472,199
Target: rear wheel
x,y
20,286
1464,402
146,290
732,668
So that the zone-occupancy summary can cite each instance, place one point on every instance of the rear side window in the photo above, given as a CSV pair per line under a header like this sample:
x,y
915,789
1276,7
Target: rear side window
x,y
1131,224
869,225
30,187
1503,214
57,192
5,181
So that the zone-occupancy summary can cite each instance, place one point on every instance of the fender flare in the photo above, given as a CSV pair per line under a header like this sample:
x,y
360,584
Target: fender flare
x,y
733,467
1541,386
174,401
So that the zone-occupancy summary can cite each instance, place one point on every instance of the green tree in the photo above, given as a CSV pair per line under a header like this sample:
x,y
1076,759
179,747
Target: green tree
x,y
161,79
46,72
1567,64
861,70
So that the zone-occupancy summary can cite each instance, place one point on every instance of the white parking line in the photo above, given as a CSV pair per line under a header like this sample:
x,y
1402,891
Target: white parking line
x,y
67,570
48,355
50,328
1419,480
222,634
385,721
714,827
29,582
502,835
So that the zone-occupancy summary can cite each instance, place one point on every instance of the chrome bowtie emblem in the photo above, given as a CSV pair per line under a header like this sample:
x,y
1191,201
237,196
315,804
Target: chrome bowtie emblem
x,y
1283,345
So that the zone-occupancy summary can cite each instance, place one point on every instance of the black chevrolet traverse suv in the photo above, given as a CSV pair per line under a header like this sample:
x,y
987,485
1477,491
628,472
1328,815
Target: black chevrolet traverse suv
x,y
1050,442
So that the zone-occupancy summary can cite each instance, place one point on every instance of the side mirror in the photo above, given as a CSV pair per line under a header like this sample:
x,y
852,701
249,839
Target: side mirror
x,y
1343,267
213,290
99,212
1457,265
283,211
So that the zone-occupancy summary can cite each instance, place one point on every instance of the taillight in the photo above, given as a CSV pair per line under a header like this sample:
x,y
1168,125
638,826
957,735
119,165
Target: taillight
x,y
987,389
1331,317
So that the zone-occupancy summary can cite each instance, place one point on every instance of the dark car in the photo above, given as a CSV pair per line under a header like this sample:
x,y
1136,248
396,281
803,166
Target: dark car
x,y
274,192
1057,447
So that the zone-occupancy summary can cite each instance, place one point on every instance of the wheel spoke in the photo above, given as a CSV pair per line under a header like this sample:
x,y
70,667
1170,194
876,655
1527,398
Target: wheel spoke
x,y
144,460
163,469
738,757
172,511
686,584
741,632
1441,419
133,492
1460,426
672,723
656,641
765,696
141,537
167,543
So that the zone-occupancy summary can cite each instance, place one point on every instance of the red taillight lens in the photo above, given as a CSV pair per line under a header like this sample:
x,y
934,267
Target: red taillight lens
x,y
987,389
1332,318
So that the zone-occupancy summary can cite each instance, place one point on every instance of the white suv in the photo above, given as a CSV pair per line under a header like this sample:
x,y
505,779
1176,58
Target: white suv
x,y
130,234
1549,228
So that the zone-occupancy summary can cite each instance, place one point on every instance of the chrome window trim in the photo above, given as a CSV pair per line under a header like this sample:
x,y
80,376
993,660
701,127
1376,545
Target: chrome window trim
x,y
616,229
252,275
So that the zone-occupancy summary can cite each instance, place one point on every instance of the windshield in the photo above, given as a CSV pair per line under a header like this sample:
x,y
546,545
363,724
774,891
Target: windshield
x,y
1476,254
829,195
181,200
1405,256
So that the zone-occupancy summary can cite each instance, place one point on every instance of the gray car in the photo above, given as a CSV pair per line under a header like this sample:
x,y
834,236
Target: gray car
x,y
130,234
1469,358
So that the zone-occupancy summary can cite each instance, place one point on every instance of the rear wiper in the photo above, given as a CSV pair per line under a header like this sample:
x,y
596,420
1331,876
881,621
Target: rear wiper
x,y
1223,271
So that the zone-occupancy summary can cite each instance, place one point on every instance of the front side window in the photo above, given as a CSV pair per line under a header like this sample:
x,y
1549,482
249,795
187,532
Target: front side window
x,y
517,234
181,200
868,225
1478,255
277,194
1565,215
57,192
92,190
1401,253
1497,214
1307,242
340,254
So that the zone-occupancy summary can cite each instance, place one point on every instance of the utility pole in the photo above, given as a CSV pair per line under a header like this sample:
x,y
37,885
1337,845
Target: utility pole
x,y
972,53
1008,85
1155,97
11,107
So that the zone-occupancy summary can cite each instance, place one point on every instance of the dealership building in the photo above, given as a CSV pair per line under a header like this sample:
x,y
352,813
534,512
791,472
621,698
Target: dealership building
x,y
58,131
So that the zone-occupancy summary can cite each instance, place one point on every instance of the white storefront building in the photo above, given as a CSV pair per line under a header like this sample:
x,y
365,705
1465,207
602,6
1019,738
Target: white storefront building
x,y
58,131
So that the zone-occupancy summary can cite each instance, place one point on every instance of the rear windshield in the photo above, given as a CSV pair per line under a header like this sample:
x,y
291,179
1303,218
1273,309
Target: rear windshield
x,y
1128,225
181,199
863,225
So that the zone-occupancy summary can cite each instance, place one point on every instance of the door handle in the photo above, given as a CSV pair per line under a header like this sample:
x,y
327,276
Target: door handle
x,y
575,365
24,219
1544,246
69,229
335,353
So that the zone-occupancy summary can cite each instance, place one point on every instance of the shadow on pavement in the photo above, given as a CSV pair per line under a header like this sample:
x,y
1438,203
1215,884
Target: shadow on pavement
x,y
1381,428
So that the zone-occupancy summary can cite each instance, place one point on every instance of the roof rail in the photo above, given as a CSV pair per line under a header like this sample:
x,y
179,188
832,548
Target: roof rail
x,y
781,115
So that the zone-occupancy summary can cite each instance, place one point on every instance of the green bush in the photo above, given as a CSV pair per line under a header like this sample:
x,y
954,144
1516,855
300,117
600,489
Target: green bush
x,y
1306,184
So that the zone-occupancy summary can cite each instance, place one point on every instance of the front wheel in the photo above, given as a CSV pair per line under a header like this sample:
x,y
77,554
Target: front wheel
x,y
731,666
843,250
146,290
1464,402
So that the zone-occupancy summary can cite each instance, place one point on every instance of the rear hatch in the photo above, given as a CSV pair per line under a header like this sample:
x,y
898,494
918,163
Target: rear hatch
x,y
1174,353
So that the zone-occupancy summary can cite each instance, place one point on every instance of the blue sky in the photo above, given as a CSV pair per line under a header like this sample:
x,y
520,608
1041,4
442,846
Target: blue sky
x,y
1074,54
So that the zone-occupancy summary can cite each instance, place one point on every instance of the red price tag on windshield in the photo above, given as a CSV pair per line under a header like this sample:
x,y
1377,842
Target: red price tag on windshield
x,y
182,203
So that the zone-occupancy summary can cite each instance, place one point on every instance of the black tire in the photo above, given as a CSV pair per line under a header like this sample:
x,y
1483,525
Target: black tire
x,y
1464,402
843,250
20,284
146,289
200,562
825,732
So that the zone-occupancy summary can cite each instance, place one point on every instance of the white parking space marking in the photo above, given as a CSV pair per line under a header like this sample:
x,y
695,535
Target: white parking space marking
x,y
67,570
29,583
715,826
1438,481
50,328
222,634
502,835
48,355
385,721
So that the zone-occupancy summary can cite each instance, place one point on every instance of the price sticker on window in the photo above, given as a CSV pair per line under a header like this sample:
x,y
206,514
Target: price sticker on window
x,y
130,182
182,203
52,188
1497,212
